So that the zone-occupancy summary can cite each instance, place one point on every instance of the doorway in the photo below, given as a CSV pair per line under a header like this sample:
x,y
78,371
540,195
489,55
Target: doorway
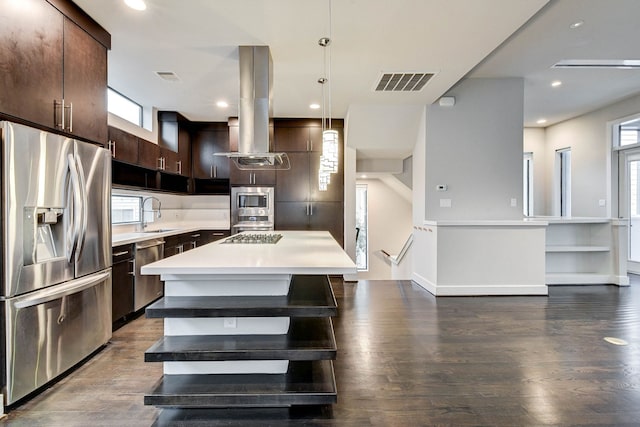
x,y
632,207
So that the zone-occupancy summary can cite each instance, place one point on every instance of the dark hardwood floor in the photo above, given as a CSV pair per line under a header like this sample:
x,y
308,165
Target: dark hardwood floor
x,y
406,358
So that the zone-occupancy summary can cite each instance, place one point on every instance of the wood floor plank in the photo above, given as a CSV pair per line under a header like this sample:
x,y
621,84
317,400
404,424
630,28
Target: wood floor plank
x,y
406,358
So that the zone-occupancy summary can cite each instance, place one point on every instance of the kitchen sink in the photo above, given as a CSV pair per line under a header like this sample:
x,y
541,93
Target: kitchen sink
x,y
159,230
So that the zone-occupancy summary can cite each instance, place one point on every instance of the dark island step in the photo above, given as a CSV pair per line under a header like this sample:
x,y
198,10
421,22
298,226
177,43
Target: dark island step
x,y
305,383
309,296
308,338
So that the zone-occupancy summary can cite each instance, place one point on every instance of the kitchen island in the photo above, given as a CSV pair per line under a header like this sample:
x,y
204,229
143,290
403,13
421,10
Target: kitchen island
x,y
248,323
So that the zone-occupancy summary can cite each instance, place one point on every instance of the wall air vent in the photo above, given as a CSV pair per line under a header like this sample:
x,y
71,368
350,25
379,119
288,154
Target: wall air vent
x,y
402,82
169,76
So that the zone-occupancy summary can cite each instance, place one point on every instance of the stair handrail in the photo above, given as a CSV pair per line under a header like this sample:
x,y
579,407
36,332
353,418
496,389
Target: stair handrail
x,y
397,259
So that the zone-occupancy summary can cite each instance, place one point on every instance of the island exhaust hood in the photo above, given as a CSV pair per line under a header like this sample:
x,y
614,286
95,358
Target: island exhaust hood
x,y
256,77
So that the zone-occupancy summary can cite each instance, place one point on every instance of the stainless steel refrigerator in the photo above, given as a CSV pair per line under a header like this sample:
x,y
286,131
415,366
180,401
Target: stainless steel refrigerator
x,y
55,306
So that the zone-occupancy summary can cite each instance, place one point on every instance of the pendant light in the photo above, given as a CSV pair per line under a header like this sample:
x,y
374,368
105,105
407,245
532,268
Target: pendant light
x,y
329,157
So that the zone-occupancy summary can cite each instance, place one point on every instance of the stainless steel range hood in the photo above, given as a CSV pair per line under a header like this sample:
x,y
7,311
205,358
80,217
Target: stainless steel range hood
x,y
256,77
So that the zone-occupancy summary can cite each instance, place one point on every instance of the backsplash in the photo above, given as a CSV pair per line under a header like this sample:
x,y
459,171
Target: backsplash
x,y
180,209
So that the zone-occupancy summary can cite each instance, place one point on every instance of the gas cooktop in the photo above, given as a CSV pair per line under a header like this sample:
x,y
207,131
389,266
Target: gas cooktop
x,y
254,238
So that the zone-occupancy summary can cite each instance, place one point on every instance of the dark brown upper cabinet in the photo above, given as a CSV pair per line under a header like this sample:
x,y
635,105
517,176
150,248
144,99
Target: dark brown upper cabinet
x,y
175,143
123,145
298,135
54,69
206,140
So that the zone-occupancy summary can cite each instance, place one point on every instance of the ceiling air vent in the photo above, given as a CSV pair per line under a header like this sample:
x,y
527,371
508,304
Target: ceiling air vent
x,y
169,76
402,82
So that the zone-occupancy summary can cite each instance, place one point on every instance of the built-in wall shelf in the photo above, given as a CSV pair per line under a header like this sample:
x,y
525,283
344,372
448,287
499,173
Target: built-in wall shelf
x,y
577,248
578,279
583,251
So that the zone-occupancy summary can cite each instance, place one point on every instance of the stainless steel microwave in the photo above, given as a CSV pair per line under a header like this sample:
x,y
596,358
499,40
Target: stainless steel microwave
x,y
251,205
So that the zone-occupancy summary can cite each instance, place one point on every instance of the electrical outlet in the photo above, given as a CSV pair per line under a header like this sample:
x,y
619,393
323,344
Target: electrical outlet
x,y
514,203
230,322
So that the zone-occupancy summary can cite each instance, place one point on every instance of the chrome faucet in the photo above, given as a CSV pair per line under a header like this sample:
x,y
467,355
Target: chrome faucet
x,y
143,210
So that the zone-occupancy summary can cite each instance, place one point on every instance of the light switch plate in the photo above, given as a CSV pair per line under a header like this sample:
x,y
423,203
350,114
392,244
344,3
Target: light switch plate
x,y
445,203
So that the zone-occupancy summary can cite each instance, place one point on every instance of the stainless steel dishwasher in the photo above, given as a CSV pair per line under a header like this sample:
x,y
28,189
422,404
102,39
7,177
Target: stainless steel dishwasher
x,y
147,288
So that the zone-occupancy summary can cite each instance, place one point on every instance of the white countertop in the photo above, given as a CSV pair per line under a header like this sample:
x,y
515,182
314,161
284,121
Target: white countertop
x,y
298,252
169,229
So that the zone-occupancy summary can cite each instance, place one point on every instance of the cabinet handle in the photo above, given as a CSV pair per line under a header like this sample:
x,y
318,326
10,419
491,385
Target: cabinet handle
x,y
133,267
195,236
215,171
217,234
311,206
211,171
310,145
58,106
161,163
179,166
306,209
194,244
70,108
121,253
180,249
112,147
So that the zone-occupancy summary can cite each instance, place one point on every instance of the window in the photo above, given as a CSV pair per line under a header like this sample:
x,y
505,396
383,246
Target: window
x,y
563,166
362,260
125,209
122,106
527,184
629,132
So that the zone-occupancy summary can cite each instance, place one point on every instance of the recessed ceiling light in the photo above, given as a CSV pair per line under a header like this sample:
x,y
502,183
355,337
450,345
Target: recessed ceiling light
x,y
541,121
314,106
136,4
556,83
615,341
576,24
222,104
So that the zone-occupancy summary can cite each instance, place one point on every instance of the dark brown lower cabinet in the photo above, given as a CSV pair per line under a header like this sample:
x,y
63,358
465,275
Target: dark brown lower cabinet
x,y
208,236
311,216
122,283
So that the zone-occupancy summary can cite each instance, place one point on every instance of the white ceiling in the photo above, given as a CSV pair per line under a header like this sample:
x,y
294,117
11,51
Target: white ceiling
x,y
198,39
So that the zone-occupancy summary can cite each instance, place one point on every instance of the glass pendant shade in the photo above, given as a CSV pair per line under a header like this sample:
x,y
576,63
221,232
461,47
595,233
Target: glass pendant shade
x,y
330,149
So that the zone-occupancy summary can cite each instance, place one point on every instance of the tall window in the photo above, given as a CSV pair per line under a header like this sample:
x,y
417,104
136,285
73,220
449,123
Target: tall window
x,y
125,209
527,184
362,240
563,167
122,106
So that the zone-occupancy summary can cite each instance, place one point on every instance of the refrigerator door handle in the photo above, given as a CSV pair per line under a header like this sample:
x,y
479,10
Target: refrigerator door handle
x,y
76,210
83,207
58,292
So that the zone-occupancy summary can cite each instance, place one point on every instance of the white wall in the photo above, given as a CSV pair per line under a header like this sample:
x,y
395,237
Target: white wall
x,y
475,148
389,226
591,163
418,172
151,118
534,142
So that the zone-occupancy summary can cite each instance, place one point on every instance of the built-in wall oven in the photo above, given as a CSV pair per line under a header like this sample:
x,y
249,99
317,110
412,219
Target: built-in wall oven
x,y
251,209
